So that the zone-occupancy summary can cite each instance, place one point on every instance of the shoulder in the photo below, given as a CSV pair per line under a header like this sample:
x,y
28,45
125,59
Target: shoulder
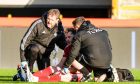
x,y
36,22
36,25
81,33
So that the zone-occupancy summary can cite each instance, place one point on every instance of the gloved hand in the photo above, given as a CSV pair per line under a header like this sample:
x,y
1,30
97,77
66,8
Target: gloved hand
x,y
65,70
60,27
24,63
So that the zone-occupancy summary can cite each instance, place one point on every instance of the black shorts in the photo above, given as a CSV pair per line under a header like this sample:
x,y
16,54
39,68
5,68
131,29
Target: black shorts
x,y
85,65
99,71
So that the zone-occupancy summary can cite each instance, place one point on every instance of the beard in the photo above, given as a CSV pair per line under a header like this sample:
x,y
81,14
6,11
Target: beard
x,y
49,25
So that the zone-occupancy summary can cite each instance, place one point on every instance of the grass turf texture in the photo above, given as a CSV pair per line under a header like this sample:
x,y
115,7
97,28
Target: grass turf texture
x,y
6,77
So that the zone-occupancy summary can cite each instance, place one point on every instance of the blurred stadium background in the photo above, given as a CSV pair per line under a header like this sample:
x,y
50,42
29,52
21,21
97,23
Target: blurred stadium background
x,y
121,18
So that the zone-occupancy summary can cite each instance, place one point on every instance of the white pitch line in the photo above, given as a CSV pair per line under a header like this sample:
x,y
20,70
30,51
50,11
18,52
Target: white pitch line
x,y
133,49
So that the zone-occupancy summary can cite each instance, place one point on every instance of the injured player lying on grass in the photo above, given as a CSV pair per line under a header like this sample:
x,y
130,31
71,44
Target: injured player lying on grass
x,y
54,74
50,74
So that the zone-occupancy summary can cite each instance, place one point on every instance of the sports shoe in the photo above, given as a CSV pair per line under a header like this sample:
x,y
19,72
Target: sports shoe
x,y
16,77
86,78
22,73
110,76
115,74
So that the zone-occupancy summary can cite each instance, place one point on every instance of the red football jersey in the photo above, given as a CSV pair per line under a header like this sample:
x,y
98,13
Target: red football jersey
x,y
67,50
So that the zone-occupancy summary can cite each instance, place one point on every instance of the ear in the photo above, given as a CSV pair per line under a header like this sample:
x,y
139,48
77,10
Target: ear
x,y
57,20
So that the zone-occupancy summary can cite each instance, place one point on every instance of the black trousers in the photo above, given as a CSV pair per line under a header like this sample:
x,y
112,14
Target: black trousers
x,y
39,53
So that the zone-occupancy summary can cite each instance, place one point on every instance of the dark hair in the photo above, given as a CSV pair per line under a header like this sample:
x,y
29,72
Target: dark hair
x,y
78,20
72,30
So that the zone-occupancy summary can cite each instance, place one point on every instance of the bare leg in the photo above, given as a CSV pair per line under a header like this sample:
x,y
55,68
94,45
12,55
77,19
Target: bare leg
x,y
101,78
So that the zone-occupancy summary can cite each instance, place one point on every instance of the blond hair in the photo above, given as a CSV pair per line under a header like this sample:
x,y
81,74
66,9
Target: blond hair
x,y
78,20
55,12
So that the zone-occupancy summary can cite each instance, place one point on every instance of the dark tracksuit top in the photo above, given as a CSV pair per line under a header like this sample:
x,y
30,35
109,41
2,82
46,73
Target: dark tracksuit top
x,y
39,33
94,44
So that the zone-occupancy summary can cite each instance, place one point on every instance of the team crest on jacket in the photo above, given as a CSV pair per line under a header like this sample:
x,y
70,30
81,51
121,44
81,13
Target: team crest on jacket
x,y
44,32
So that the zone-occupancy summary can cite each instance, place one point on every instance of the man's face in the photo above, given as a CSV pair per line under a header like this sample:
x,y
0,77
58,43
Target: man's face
x,y
69,36
52,20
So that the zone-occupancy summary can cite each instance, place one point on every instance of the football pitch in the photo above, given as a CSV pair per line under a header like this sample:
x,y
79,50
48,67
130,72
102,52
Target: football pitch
x,y
6,77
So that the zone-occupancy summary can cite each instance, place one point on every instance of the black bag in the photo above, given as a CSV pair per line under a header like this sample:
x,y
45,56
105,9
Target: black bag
x,y
125,75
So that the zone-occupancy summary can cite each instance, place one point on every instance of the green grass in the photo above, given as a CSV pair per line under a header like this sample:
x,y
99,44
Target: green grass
x,y
6,77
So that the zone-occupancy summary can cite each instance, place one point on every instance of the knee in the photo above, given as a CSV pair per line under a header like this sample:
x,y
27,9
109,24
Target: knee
x,y
34,49
100,78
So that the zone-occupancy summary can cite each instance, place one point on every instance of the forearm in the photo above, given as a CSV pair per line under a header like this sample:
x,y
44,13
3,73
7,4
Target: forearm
x,y
69,61
61,63
77,65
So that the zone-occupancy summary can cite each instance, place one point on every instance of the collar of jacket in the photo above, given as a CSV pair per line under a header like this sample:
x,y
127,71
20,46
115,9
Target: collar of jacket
x,y
43,18
86,25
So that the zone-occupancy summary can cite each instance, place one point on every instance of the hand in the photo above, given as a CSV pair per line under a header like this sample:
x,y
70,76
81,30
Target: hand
x,y
58,68
60,27
65,70
24,63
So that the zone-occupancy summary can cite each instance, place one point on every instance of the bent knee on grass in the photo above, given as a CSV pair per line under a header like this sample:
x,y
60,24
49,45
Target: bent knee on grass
x,y
101,78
